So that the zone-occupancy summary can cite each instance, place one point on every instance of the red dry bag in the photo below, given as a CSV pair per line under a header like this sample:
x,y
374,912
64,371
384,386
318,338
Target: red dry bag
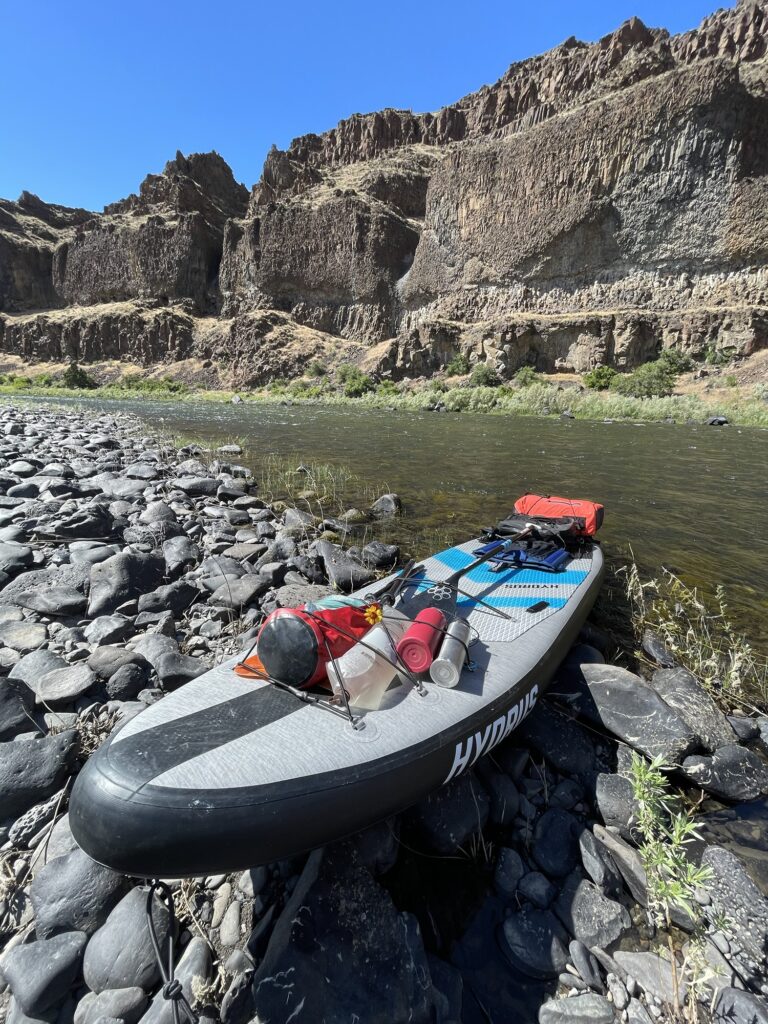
x,y
588,515
295,644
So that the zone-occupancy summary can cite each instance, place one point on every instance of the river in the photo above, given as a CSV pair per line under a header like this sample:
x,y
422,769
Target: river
x,y
691,498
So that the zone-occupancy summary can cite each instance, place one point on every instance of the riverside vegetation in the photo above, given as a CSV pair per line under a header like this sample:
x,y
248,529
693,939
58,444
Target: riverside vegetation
x,y
562,877
647,393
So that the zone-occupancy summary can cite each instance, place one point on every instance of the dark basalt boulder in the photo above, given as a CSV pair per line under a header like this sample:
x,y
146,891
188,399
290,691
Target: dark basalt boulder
x,y
589,915
17,702
556,842
121,578
343,573
346,948
535,943
684,694
31,770
448,816
628,707
733,773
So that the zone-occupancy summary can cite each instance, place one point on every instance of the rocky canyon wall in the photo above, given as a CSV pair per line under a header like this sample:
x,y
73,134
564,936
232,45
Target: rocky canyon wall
x,y
598,203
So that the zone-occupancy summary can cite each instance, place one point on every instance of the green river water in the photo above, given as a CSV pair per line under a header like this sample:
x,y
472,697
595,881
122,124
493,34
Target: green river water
x,y
691,498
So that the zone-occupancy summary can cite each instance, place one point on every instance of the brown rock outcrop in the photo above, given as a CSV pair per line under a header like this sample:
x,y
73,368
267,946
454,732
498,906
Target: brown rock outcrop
x,y
261,346
121,331
332,260
164,243
29,232
573,342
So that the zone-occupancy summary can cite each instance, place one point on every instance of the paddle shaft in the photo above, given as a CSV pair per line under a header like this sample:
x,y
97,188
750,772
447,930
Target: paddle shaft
x,y
497,549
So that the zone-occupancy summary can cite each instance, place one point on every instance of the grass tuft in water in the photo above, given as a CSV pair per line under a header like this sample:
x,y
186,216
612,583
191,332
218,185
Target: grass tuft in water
x,y
320,487
698,632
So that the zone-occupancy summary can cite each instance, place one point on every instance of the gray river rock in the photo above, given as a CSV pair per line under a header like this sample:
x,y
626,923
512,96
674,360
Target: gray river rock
x,y
125,1004
32,770
41,973
120,953
74,893
195,963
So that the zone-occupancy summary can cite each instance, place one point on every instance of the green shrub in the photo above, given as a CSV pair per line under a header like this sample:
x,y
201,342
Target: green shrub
x,y
677,361
305,389
715,356
652,380
484,376
316,369
526,376
599,379
730,381
75,377
761,392
136,384
458,366
345,370
357,384
387,387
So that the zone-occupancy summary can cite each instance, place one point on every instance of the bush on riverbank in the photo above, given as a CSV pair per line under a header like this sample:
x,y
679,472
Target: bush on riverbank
x,y
535,398
600,378
651,380
75,377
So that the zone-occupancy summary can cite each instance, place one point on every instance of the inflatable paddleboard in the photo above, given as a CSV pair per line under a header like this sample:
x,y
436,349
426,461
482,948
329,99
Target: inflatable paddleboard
x,y
230,772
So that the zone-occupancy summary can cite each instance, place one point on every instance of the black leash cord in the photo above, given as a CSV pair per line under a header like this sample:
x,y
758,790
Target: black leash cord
x,y
171,986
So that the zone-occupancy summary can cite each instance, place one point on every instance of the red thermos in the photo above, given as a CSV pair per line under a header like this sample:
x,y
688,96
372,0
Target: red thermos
x,y
418,645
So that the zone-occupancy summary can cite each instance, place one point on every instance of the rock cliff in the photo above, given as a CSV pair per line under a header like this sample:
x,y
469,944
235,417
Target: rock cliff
x,y
597,203
164,243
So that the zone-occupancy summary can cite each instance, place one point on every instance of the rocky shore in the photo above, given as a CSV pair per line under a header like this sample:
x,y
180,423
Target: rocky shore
x,y
127,568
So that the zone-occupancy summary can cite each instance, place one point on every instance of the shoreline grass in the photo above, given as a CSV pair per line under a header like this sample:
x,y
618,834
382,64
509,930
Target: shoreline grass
x,y
697,628
539,399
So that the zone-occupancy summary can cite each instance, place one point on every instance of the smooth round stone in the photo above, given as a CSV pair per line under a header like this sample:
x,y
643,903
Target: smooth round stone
x,y
23,637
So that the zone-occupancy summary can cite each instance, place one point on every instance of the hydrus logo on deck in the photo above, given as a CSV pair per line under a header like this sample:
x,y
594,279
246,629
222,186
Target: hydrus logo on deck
x,y
479,743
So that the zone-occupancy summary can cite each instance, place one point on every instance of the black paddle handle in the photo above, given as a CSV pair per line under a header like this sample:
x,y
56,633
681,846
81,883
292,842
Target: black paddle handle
x,y
390,593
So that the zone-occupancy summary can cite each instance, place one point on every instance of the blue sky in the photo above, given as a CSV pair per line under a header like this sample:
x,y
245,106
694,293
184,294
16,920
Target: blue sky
x,y
97,95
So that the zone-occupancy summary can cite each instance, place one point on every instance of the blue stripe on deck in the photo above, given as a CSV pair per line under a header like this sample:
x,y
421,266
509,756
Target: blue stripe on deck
x,y
513,602
457,559
497,600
